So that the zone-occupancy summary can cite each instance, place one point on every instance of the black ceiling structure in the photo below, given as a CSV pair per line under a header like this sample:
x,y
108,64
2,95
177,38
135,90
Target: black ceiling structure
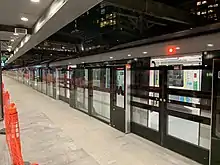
x,y
113,23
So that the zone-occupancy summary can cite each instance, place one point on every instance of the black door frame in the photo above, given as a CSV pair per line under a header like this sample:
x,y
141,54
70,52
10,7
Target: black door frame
x,y
215,130
117,114
162,137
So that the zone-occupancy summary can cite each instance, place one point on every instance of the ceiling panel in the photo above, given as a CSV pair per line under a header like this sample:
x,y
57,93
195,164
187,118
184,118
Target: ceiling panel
x,y
12,10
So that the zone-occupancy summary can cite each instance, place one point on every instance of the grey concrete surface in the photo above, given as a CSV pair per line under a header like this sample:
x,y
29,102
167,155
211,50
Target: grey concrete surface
x,y
54,133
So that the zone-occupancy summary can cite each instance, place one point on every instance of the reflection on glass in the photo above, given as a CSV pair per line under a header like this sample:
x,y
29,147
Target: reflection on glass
x,y
120,89
101,94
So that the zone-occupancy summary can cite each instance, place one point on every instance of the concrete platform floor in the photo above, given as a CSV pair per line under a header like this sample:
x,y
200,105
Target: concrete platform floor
x,y
53,133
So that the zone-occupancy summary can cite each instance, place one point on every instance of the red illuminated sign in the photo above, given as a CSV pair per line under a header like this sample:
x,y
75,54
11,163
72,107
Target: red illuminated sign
x,y
171,50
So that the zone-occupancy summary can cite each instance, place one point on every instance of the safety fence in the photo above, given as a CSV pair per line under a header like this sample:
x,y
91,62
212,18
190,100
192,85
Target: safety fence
x,y
12,130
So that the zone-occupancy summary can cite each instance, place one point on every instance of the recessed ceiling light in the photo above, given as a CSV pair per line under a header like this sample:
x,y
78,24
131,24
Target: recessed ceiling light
x,y
210,45
177,48
24,19
135,59
16,34
144,52
35,1
129,55
51,54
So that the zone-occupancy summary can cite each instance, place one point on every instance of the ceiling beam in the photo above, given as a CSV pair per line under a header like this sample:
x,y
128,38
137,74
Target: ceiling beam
x,y
9,28
155,9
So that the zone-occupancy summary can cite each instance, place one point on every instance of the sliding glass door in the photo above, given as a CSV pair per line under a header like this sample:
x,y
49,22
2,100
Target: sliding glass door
x,y
101,93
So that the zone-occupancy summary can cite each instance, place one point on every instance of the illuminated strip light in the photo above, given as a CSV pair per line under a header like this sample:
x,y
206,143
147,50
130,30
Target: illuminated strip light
x,y
56,5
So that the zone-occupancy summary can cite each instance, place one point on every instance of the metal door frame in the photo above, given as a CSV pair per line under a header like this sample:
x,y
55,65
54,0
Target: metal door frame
x,y
214,158
162,137
113,94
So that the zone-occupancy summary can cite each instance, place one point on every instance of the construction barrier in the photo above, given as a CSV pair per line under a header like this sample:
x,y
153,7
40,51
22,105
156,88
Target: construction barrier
x,y
12,130
13,134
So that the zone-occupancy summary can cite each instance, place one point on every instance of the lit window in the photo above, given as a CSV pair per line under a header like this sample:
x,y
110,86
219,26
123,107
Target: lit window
x,y
210,6
114,15
198,3
204,12
204,2
102,11
216,5
210,11
198,13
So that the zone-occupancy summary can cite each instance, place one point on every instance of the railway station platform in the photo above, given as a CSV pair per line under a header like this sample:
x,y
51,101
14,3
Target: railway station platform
x,y
52,133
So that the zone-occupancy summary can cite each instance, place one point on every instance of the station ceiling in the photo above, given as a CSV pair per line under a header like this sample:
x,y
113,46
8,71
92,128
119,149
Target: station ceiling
x,y
11,14
86,34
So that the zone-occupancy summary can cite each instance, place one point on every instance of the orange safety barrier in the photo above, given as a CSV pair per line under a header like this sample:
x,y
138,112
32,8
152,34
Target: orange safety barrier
x,y
12,129
6,98
13,134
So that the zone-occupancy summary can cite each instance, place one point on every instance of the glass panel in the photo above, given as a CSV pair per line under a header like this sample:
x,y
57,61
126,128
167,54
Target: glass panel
x,y
39,79
120,89
185,79
35,79
62,83
101,94
193,80
81,90
68,85
145,117
50,83
190,132
205,133
44,83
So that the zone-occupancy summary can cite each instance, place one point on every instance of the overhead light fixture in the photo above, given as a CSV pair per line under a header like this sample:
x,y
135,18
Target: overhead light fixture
x,y
12,40
210,45
51,54
144,52
83,62
16,34
111,57
10,46
177,48
129,55
135,59
9,50
35,1
25,19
